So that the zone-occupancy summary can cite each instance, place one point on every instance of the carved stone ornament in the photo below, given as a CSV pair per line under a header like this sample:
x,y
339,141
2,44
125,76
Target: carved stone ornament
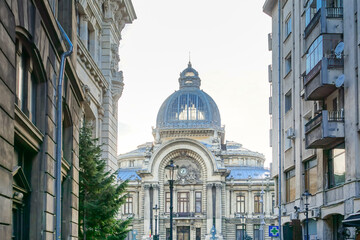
x,y
188,172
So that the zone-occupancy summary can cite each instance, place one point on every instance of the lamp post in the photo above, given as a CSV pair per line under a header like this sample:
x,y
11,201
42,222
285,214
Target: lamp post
x,y
306,194
156,237
262,222
171,167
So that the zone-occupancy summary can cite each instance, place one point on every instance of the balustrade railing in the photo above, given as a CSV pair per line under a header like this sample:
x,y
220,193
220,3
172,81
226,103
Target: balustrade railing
x,y
332,116
334,12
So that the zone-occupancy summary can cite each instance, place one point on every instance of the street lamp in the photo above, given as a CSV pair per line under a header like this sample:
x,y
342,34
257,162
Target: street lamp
x,y
306,194
156,237
262,222
171,167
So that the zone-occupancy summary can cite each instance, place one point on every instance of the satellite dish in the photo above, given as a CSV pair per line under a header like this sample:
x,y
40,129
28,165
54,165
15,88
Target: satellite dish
x,y
340,81
339,49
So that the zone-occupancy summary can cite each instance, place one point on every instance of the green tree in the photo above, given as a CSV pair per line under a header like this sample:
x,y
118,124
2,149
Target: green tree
x,y
100,197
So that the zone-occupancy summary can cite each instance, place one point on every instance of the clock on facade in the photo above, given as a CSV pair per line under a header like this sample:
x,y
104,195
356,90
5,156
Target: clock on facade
x,y
183,171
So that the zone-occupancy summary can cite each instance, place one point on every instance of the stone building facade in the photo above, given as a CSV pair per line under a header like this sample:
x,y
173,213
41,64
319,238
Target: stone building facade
x,y
31,46
98,35
217,182
320,140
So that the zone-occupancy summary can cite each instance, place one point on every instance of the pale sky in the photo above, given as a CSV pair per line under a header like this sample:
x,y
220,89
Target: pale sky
x,y
228,44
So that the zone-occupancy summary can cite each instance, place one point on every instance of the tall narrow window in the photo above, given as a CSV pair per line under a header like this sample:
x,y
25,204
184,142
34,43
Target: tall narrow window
x,y
26,83
167,202
257,204
287,26
256,232
288,101
198,234
240,203
288,64
128,206
336,165
197,202
240,232
290,185
311,176
183,202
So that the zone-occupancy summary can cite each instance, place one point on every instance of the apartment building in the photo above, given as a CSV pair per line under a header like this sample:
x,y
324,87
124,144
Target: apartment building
x,y
318,102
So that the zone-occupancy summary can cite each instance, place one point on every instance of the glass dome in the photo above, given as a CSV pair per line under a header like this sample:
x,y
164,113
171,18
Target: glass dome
x,y
189,107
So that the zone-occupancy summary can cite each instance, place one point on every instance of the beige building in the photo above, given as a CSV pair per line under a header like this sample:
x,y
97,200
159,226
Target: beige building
x,y
99,26
320,144
217,182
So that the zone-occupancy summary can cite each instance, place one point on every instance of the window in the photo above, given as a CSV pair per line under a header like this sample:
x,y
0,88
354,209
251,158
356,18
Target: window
x,y
197,202
256,232
257,204
336,165
312,7
167,202
131,163
288,64
240,232
311,176
198,234
287,26
26,84
22,191
288,101
290,185
183,202
314,54
273,204
128,206
240,203
167,233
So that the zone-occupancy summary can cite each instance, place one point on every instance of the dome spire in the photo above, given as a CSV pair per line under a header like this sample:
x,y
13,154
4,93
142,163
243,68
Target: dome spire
x,y
189,64
189,78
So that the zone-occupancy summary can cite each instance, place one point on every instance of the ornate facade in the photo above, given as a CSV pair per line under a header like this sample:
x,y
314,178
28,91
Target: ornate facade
x,y
98,34
217,183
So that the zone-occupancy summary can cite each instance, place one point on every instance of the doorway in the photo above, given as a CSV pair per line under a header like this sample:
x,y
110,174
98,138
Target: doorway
x,y
183,233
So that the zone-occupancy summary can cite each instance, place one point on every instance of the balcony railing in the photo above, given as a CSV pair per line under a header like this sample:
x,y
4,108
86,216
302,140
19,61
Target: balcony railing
x,y
333,116
334,12
324,130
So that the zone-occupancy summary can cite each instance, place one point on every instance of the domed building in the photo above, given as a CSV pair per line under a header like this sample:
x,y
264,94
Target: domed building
x,y
218,184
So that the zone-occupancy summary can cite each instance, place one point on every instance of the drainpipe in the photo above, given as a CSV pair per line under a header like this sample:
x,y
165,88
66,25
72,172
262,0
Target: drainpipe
x,y
279,105
58,135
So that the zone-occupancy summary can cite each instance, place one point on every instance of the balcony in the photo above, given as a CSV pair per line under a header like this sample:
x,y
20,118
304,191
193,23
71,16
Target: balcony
x,y
325,129
319,82
331,21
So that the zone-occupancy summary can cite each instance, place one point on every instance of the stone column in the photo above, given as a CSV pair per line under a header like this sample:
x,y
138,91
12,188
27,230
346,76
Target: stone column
x,y
218,208
156,201
192,200
146,209
209,212
84,29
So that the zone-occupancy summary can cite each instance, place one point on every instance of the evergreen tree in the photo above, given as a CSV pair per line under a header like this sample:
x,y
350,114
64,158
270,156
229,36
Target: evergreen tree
x,y
100,197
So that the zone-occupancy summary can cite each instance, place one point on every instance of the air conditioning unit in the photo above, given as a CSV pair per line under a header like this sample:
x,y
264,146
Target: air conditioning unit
x,y
318,106
270,41
315,213
270,73
293,216
290,134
